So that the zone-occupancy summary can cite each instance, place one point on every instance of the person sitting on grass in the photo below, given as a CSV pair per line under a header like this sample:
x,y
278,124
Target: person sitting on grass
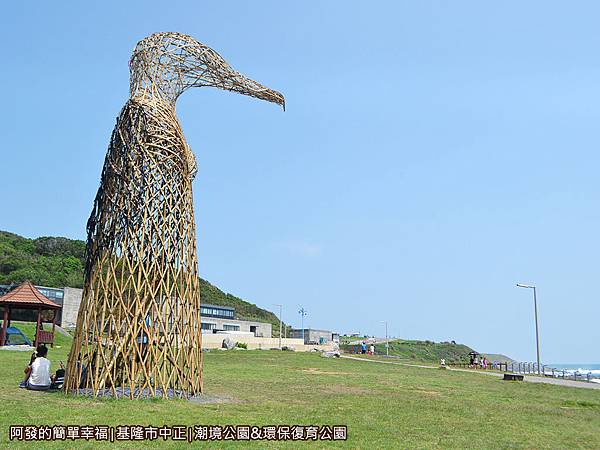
x,y
37,373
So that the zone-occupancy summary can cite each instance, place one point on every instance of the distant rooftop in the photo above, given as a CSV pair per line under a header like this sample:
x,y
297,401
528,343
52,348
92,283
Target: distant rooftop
x,y
27,295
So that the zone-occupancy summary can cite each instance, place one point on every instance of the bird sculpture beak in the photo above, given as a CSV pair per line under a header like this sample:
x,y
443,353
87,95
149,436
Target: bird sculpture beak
x,y
213,70
236,82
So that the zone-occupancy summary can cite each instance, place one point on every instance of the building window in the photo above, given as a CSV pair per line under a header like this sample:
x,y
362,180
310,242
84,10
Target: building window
x,y
216,312
228,327
208,326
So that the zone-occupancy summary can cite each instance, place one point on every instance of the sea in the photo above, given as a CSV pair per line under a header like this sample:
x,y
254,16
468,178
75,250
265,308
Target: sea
x,y
579,368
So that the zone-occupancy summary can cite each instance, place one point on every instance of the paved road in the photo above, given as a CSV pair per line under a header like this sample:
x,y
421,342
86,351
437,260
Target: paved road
x,y
530,379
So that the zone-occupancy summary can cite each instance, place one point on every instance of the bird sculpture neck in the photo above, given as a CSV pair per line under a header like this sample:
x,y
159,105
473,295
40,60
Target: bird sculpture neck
x,y
147,92
164,111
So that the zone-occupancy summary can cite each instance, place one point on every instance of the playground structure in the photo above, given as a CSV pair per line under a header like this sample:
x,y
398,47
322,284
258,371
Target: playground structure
x,y
138,329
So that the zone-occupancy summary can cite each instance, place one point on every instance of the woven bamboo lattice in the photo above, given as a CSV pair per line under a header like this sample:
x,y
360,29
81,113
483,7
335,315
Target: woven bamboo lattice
x,y
138,330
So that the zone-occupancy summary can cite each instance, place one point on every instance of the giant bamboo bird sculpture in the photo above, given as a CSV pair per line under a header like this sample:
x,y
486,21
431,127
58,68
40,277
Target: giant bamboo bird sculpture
x,y
138,330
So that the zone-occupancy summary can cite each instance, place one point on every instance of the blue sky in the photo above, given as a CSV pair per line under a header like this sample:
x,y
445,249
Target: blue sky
x,y
432,155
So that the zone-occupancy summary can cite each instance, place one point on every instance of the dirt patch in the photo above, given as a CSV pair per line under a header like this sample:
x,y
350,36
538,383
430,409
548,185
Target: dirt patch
x,y
205,399
315,371
341,389
426,392
402,388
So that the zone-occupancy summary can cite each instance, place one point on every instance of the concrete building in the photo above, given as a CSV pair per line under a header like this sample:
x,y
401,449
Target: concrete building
x,y
314,337
222,318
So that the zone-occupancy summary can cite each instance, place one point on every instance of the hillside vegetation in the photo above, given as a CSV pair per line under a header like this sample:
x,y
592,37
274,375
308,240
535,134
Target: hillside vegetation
x,y
422,350
427,350
59,262
46,261
243,310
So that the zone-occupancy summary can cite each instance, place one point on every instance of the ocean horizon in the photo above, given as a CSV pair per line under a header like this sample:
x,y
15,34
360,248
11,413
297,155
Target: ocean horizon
x,y
581,368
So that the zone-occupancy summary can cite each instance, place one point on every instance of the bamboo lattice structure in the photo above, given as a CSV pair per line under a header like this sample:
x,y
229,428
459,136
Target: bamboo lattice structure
x,y
138,329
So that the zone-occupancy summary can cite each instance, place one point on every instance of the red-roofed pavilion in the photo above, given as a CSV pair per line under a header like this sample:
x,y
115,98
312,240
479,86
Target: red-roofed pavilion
x,y
26,296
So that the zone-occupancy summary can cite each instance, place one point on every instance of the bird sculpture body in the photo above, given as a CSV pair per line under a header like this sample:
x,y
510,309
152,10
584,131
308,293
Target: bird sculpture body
x,y
138,330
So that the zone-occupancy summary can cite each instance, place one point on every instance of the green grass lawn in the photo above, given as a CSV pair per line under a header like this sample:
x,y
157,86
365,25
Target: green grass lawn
x,y
384,406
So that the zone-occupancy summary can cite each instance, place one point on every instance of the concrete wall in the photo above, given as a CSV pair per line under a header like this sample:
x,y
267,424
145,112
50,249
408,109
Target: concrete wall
x,y
71,302
213,341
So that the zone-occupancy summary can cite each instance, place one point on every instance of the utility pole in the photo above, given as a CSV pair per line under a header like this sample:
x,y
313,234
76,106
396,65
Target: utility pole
x,y
387,341
280,310
537,334
302,313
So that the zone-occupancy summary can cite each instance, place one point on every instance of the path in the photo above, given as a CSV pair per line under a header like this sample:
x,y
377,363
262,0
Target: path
x,y
369,341
530,379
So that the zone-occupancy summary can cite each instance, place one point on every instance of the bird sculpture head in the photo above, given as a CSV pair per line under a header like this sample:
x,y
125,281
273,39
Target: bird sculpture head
x,y
165,64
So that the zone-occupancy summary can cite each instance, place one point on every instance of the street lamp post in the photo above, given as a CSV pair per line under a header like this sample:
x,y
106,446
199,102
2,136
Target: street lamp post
x,y
280,310
537,334
387,341
302,313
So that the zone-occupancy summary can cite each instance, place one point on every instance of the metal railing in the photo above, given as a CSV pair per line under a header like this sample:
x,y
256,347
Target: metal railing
x,y
527,368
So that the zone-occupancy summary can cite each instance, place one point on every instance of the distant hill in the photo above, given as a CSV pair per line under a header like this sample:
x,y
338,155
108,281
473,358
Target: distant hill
x,y
59,262
498,357
46,261
424,350
428,350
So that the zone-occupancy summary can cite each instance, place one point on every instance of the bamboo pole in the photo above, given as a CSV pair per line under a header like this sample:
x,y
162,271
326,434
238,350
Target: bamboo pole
x,y
53,327
37,327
